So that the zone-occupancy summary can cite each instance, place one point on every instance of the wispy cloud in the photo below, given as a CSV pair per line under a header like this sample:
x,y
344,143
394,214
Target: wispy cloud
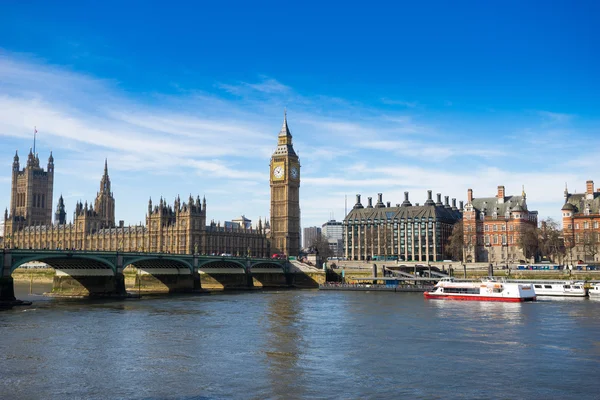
x,y
554,117
404,103
267,85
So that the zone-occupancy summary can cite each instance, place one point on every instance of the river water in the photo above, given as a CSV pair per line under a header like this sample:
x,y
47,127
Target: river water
x,y
299,345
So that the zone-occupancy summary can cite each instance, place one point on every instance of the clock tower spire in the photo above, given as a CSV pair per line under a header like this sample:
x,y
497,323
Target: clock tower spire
x,y
285,191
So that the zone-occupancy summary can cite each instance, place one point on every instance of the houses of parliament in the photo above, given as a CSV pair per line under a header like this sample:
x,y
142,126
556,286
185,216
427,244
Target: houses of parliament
x,y
179,228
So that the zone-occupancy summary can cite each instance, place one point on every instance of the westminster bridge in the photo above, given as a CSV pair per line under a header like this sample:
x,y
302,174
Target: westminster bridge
x,y
101,273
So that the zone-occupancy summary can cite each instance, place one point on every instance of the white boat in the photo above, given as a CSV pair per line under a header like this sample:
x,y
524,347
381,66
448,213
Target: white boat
x,y
545,287
595,290
488,289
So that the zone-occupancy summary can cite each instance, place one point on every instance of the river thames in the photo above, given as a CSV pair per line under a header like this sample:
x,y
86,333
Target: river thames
x,y
299,345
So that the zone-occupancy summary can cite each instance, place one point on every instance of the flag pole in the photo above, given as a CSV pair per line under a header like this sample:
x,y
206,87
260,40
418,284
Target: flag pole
x,y
34,132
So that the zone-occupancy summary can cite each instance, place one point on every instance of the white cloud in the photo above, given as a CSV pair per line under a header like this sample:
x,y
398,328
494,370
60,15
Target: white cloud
x,y
267,86
409,104
554,117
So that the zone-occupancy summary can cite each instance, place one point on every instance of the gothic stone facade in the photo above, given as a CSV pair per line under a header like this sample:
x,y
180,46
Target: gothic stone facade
x,y
404,232
180,228
492,227
285,196
581,225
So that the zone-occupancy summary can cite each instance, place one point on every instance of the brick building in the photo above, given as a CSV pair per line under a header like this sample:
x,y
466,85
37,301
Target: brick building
x,y
581,220
492,227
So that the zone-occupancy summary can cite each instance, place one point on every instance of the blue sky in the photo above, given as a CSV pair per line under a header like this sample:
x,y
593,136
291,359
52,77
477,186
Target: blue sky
x,y
384,97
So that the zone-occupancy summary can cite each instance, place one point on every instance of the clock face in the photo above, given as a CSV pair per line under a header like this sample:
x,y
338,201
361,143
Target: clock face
x,y
294,172
278,171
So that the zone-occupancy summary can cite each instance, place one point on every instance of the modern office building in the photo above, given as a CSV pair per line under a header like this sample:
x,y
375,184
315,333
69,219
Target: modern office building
x,y
404,232
309,236
334,232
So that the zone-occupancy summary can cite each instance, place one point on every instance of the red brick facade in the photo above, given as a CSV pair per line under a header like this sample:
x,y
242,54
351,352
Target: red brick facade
x,y
492,228
581,225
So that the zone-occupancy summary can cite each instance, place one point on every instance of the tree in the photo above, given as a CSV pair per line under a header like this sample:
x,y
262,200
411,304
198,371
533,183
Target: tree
x,y
552,245
320,245
529,241
455,243
590,245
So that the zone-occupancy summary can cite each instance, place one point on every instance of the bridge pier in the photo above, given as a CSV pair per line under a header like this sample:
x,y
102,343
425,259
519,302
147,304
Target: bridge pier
x,y
165,280
197,284
7,288
88,283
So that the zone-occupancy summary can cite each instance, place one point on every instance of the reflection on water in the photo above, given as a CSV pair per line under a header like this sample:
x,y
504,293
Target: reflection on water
x,y
299,344
284,342
484,311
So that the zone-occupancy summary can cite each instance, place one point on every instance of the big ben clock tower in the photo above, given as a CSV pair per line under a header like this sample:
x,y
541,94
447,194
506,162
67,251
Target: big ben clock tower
x,y
285,192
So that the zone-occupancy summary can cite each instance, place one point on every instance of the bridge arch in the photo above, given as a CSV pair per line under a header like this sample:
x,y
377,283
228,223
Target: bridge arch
x,y
222,263
65,260
145,260
267,264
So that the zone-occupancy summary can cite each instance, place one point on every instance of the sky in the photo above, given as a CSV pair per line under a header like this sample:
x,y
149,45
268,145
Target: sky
x,y
188,98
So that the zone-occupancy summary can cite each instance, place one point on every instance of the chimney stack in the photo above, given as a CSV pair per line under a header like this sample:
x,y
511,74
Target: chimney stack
x,y
370,202
454,205
469,196
500,194
589,187
429,201
358,204
461,205
406,203
439,200
389,203
447,201
379,201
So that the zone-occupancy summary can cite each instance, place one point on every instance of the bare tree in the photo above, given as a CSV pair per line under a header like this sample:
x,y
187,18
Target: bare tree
x,y
551,243
529,241
320,245
590,245
455,245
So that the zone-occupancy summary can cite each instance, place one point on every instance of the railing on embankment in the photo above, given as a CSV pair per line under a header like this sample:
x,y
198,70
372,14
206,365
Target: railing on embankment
x,y
361,287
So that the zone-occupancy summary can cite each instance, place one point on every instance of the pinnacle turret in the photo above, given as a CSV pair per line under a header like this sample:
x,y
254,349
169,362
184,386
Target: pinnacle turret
x,y
285,131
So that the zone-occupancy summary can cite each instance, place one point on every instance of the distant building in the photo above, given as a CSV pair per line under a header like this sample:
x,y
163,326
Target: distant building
x,y
404,232
237,223
310,234
581,225
334,232
492,227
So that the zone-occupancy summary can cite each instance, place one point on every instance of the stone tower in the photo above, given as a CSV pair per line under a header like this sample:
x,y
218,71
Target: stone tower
x,y
60,216
31,193
105,202
285,195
